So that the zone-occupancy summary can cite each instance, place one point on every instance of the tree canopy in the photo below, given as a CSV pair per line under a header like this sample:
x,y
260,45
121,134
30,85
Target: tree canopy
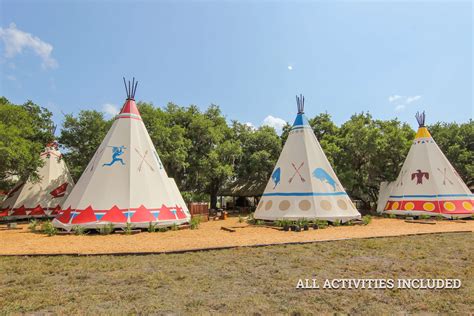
x,y
204,151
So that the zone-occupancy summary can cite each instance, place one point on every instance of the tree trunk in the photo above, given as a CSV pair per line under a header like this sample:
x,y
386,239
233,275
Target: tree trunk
x,y
214,200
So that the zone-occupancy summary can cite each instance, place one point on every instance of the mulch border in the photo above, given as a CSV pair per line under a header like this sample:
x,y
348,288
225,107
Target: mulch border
x,y
72,254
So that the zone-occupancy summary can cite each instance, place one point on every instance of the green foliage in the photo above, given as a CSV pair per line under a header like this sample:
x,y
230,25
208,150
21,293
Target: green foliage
x,y
423,216
128,228
241,219
250,219
152,227
259,222
195,222
78,230
336,223
366,219
48,228
456,142
24,131
348,223
33,225
81,136
392,216
440,217
174,227
106,229
322,224
163,229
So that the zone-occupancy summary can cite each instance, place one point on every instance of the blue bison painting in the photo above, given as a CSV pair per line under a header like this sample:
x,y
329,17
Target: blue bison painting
x,y
323,176
276,176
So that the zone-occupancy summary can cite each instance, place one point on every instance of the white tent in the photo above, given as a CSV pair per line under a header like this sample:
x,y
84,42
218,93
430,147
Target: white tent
x,y
427,183
125,181
303,183
44,196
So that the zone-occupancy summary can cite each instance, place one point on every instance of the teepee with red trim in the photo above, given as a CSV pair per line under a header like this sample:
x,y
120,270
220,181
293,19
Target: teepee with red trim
x,y
42,197
427,183
125,181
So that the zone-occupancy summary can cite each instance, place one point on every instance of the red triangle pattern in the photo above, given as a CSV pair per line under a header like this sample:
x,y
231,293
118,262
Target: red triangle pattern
x,y
142,215
85,216
166,214
65,216
38,210
179,213
19,211
114,215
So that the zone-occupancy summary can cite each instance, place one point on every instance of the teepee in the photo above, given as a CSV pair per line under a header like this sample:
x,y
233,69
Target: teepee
x,y
42,197
427,183
303,184
125,181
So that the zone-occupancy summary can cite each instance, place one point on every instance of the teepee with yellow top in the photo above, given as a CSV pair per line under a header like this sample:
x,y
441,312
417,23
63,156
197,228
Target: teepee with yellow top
x,y
427,184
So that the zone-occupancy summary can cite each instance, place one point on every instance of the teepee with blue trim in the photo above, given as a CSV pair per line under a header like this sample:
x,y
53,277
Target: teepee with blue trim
x,y
125,181
303,184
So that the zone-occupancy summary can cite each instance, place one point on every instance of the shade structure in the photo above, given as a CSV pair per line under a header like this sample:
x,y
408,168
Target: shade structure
x,y
42,197
303,184
125,181
427,184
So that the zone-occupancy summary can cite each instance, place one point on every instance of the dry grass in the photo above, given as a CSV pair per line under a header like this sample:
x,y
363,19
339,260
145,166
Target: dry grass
x,y
244,280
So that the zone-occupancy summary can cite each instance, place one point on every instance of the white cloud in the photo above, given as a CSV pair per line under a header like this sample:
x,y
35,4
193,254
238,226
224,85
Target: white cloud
x,y
250,125
274,122
110,109
400,108
10,77
290,67
16,41
413,99
394,98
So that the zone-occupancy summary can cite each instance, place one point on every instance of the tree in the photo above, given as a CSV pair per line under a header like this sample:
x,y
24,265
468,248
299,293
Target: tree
x,y
372,151
24,131
169,139
457,143
81,136
260,151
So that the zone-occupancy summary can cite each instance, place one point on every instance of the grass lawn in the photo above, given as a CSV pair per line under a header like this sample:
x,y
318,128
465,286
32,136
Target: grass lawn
x,y
246,280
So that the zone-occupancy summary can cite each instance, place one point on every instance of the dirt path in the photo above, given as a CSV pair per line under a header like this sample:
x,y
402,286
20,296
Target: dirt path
x,y
209,235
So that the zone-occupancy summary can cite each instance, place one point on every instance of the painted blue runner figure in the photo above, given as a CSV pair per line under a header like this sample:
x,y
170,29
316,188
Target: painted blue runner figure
x,y
116,152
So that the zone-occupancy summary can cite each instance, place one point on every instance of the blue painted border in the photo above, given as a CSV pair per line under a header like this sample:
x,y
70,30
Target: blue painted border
x,y
304,194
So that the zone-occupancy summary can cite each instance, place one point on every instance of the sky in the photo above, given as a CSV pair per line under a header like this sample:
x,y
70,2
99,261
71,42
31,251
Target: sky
x,y
391,58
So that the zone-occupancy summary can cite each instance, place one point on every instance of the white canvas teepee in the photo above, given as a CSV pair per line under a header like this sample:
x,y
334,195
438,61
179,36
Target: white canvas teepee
x,y
427,183
125,181
303,184
41,198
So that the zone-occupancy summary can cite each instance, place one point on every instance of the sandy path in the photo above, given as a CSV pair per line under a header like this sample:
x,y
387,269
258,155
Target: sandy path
x,y
209,235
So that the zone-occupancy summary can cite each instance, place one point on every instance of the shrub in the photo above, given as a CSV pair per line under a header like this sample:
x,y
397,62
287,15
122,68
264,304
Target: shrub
x,y
336,223
366,219
106,229
392,216
424,216
151,227
250,219
33,225
174,227
48,228
163,229
241,219
348,223
321,224
259,222
195,221
128,229
439,217
78,230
